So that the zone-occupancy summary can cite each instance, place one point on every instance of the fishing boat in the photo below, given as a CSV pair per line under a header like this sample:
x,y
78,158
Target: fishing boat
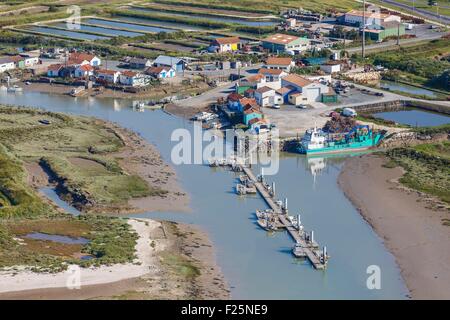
x,y
242,189
360,137
267,225
264,214
298,251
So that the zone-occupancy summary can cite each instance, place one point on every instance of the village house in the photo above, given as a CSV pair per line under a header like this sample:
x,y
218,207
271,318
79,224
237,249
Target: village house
x,y
6,64
139,63
282,94
355,17
265,96
54,70
273,75
233,101
226,44
279,43
79,58
19,62
176,64
109,76
259,126
282,63
161,72
251,112
133,79
305,91
251,82
83,71
332,66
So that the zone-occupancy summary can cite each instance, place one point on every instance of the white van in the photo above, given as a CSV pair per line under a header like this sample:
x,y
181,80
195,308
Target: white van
x,y
349,112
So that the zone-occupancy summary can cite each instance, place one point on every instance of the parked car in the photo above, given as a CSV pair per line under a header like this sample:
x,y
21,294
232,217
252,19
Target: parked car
x,y
349,112
276,106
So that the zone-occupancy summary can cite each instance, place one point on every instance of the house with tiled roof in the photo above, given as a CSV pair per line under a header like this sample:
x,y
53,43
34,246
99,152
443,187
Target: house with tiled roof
x,y
54,70
225,44
265,96
283,63
85,70
109,76
272,75
80,58
161,72
305,91
251,113
134,79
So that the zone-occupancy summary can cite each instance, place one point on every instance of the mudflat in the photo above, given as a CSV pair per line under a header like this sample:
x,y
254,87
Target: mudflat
x,y
412,231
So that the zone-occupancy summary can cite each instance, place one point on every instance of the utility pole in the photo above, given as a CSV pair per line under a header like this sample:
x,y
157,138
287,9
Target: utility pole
x,y
363,49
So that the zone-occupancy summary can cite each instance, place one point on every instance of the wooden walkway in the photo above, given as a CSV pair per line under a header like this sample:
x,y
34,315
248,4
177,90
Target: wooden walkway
x,y
310,249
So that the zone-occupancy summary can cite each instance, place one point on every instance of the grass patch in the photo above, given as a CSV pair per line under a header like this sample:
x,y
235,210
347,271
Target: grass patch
x,y
111,241
427,168
77,153
179,265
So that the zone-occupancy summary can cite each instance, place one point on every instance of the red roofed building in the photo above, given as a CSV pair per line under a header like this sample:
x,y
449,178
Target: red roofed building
x,y
226,44
79,58
85,70
53,70
161,72
283,63
110,76
133,79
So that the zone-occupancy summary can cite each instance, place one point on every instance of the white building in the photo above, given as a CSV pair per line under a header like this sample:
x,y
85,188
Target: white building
x,y
109,76
264,96
133,79
331,67
305,91
6,64
79,58
282,63
372,18
85,70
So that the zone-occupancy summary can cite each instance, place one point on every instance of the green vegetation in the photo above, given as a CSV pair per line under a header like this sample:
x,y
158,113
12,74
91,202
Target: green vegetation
x,y
111,241
371,118
17,199
275,6
76,151
427,168
417,64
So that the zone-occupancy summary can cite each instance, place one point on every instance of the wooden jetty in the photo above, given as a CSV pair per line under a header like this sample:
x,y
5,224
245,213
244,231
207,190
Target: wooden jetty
x,y
305,245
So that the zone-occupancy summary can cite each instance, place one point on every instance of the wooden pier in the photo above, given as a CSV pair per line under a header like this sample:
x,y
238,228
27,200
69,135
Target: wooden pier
x,y
305,246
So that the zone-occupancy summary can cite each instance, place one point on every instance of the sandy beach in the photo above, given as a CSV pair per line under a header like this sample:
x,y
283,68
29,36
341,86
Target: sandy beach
x,y
145,263
411,230
147,278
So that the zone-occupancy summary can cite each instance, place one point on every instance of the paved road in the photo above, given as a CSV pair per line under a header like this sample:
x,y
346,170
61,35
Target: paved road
x,y
421,32
428,14
292,121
